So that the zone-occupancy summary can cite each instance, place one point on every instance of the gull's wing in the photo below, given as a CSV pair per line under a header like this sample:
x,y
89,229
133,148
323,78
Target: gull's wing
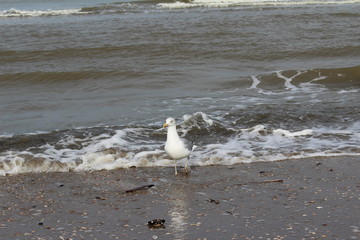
x,y
189,145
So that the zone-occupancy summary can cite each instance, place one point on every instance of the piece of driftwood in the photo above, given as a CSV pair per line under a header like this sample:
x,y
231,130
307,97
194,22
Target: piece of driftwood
x,y
271,181
265,181
100,198
140,188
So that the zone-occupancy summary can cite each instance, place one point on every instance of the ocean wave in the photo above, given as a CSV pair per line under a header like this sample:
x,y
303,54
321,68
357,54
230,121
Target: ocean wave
x,y
40,13
116,8
113,8
52,77
250,3
293,80
141,6
219,143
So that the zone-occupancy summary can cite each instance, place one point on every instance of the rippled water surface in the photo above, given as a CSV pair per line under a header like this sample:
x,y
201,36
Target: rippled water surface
x,y
87,84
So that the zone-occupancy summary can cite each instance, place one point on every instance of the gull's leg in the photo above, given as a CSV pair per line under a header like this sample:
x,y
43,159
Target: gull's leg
x,y
175,168
186,164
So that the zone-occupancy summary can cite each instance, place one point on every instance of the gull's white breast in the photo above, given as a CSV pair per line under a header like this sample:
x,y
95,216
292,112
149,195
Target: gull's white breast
x,y
176,149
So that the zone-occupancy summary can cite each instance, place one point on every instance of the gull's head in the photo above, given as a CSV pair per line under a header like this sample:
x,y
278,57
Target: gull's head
x,y
169,122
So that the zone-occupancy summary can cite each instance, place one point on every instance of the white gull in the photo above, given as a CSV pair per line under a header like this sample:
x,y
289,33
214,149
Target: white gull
x,y
176,147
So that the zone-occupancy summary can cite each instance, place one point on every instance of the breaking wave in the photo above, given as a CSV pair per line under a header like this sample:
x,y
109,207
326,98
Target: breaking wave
x,y
39,13
219,143
251,3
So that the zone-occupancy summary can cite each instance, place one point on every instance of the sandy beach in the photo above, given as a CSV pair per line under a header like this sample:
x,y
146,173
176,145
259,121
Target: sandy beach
x,y
86,87
315,198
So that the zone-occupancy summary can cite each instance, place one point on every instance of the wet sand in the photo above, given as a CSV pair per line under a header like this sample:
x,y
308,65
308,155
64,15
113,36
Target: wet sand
x,y
316,198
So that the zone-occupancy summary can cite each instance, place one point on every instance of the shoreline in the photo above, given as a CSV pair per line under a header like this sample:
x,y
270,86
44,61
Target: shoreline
x,y
314,198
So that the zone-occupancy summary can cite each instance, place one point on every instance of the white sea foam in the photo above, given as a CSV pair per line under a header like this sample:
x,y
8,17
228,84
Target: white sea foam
x,y
204,117
134,147
39,13
6,135
230,3
288,81
255,82
260,144
348,91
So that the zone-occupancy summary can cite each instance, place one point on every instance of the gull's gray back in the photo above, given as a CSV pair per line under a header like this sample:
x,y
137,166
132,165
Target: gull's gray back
x,y
189,145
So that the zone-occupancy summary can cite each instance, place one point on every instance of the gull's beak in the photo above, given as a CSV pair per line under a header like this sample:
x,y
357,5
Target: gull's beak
x,y
165,125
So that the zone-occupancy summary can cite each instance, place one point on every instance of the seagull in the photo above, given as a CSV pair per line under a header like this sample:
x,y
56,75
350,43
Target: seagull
x,y
176,147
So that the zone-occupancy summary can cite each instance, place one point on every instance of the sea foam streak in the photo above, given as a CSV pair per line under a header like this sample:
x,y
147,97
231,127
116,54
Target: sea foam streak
x,y
230,3
39,13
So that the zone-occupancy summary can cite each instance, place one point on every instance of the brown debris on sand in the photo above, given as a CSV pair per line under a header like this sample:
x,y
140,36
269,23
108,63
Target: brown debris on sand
x,y
142,188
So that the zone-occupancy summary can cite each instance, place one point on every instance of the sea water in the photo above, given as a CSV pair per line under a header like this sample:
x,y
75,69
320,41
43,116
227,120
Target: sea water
x,y
87,85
